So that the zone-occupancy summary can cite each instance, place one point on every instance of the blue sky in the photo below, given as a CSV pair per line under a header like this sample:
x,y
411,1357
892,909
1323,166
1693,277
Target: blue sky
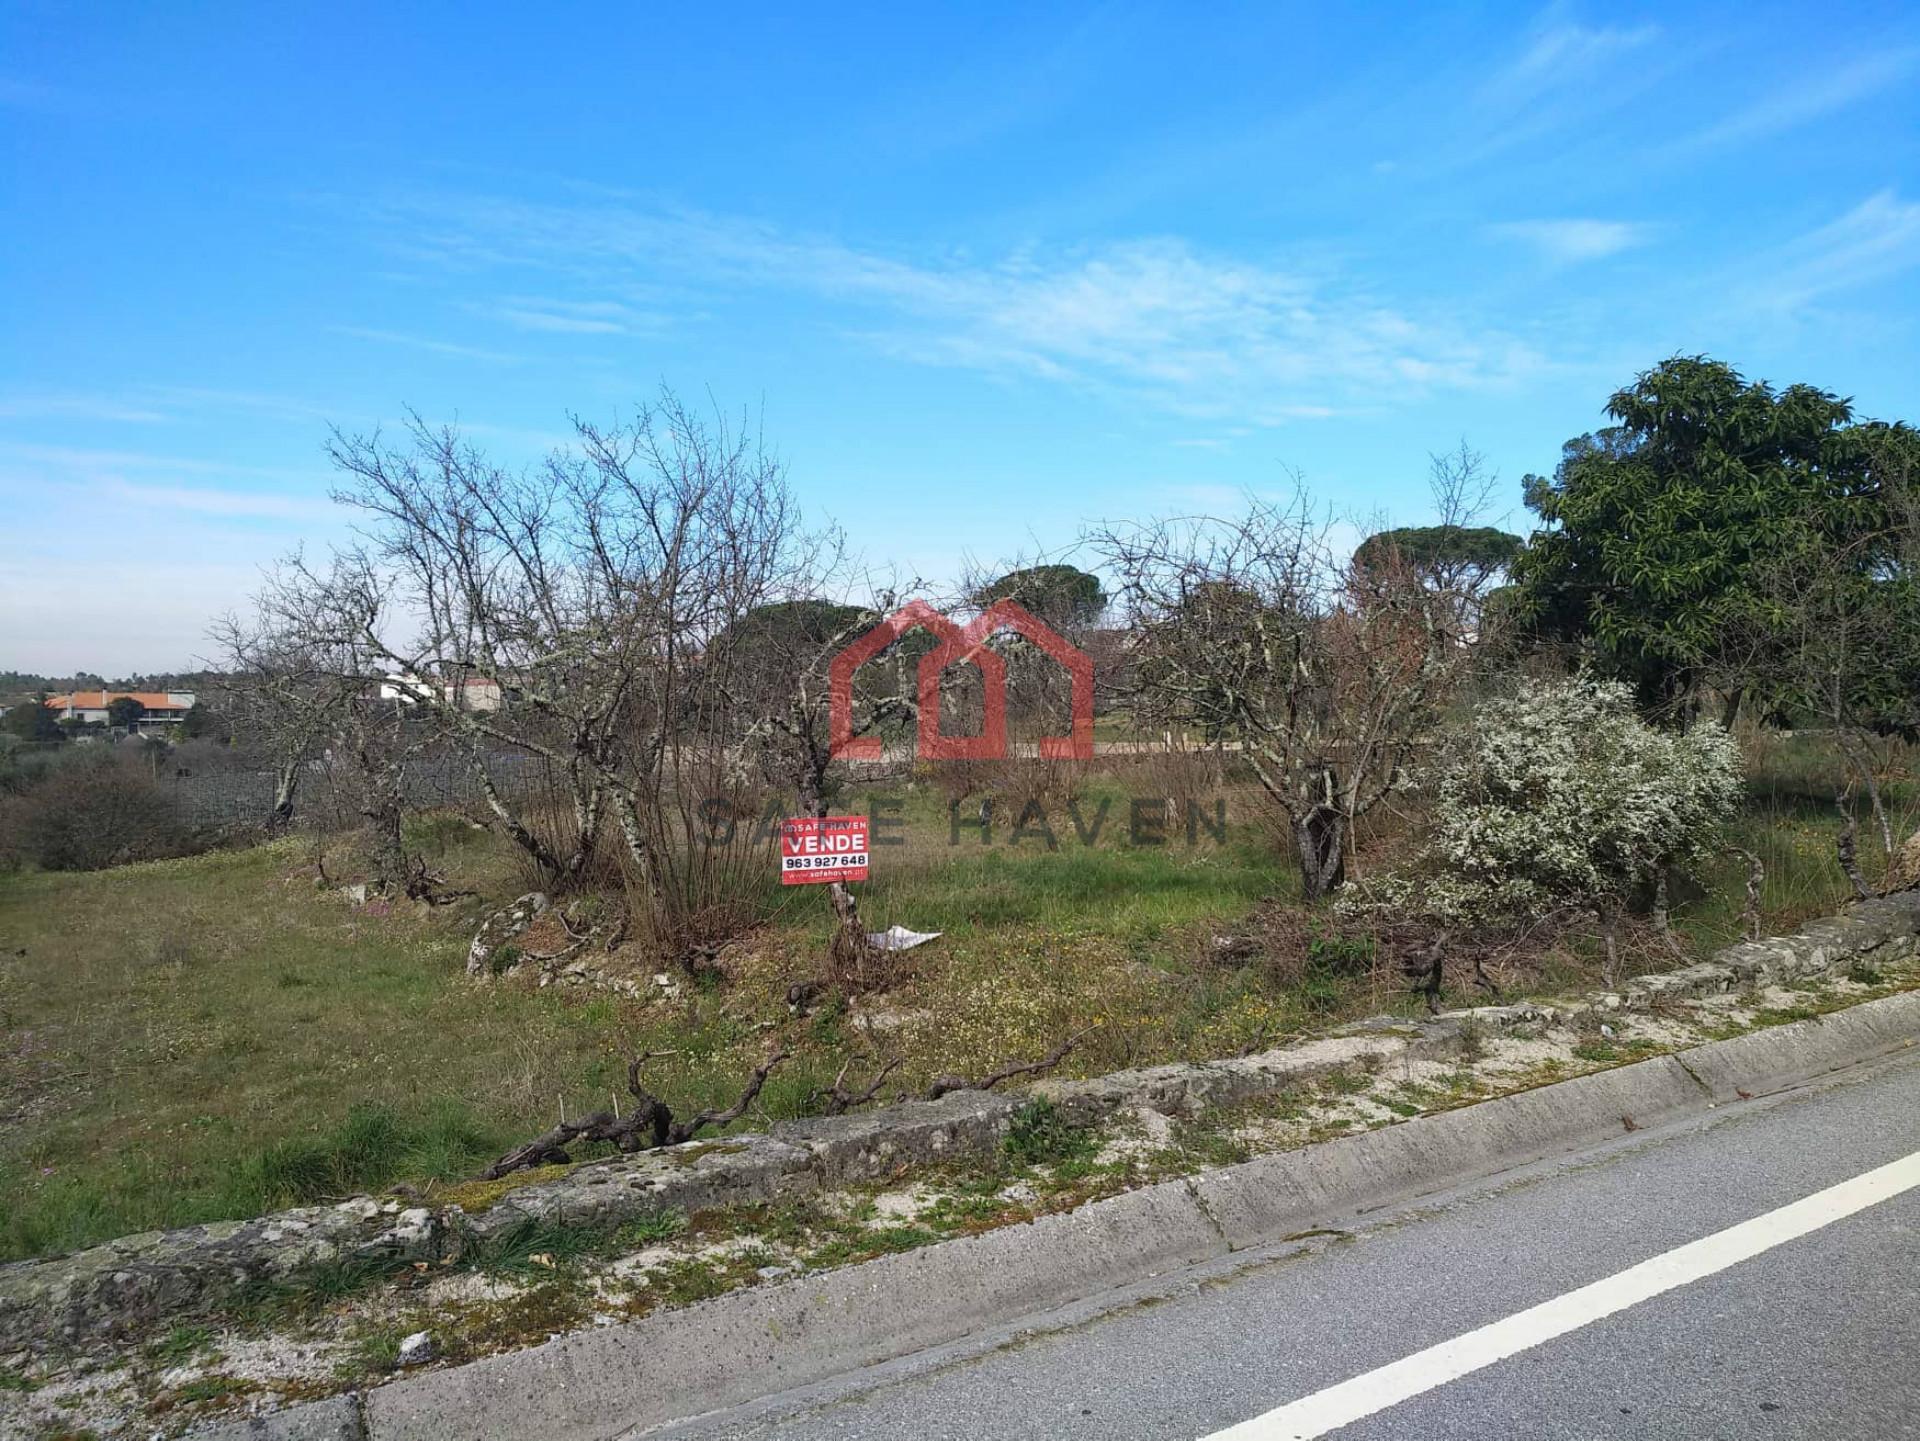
x,y
984,273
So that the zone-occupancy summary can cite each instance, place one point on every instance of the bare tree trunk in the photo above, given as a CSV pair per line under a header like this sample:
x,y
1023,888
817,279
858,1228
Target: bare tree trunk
x,y
550,865
1863,767
1756,879
1880,814
641,851
586,821
286,785
1609,933
850,952
1730,711
388,850
1662,917
1844,847
1320,835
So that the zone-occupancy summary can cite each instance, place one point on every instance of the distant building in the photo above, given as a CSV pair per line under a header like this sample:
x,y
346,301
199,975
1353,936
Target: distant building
x,y
475,693
163,708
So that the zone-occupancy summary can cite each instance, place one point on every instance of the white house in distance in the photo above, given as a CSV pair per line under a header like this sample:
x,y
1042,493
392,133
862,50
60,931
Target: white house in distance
x,y
475,693
163,708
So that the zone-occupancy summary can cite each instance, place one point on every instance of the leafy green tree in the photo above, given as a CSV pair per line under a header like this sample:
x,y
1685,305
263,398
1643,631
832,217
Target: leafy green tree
x,y
1061,595
1655,531
788,625
124,711
1834,640
203,722
32,721
1443,554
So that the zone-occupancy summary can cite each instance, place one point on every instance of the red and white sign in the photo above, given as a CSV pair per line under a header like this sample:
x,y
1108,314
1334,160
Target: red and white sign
x,y
814,849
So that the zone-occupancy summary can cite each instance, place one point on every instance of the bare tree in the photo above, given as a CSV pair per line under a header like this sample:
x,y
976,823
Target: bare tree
x,y
592,595
284,695
307,685
779,683
1324,673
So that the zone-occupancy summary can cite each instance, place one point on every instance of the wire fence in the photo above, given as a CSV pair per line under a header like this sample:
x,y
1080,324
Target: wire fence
x,y
324,797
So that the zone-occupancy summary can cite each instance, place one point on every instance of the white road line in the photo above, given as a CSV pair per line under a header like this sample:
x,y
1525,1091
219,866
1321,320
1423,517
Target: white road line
x,y
1340,1405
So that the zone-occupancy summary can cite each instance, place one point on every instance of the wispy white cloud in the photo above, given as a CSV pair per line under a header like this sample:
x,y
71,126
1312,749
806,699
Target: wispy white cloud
x,y
574,317
422,342
1558,51
152,404
1818,90
1876,240
29,460
1196,333
204,398
42,405
199,500
1165,322
190,545
1567,242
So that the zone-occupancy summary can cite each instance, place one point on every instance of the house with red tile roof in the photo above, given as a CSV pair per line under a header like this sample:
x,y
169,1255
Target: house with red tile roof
x,y
162,708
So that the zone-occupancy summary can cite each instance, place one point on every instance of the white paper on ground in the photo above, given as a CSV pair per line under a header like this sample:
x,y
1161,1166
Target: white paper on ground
x,y
899,938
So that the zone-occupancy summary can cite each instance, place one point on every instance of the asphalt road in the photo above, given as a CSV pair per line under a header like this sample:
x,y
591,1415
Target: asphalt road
x,y
1817,1337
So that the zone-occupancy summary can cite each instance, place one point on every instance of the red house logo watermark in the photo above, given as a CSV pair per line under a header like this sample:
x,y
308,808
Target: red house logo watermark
x,y
958,644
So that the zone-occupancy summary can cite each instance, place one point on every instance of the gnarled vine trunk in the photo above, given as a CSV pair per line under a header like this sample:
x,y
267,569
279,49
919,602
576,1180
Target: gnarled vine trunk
x,y
1320,836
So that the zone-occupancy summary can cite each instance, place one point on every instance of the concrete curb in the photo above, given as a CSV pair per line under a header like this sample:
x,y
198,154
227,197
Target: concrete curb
x,y
626,1379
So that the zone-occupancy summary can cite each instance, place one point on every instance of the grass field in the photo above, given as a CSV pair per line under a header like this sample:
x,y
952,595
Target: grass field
x,y
212,1037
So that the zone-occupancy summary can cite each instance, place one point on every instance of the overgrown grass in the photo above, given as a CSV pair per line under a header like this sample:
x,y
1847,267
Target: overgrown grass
x,y
209,1038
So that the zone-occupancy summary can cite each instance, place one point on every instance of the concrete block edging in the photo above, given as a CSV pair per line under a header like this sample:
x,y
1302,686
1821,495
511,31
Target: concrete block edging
x,y
624,1380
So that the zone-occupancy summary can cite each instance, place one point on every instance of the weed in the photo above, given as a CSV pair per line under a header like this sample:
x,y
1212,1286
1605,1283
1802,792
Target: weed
x,y
650,1229
1470,1039
542,1244
1040,1133
1338,955
886,1240
1319,995
180,1344
1343,1082
312,1289
963,1212
204,1388
1212,1140
524,1318
680,1283
375,1351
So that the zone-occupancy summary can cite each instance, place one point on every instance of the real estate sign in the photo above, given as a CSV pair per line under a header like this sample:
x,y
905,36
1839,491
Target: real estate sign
x,y
815,849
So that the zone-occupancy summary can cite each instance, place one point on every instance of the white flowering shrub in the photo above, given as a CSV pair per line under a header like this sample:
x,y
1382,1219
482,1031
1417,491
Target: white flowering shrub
x,y
1560,796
